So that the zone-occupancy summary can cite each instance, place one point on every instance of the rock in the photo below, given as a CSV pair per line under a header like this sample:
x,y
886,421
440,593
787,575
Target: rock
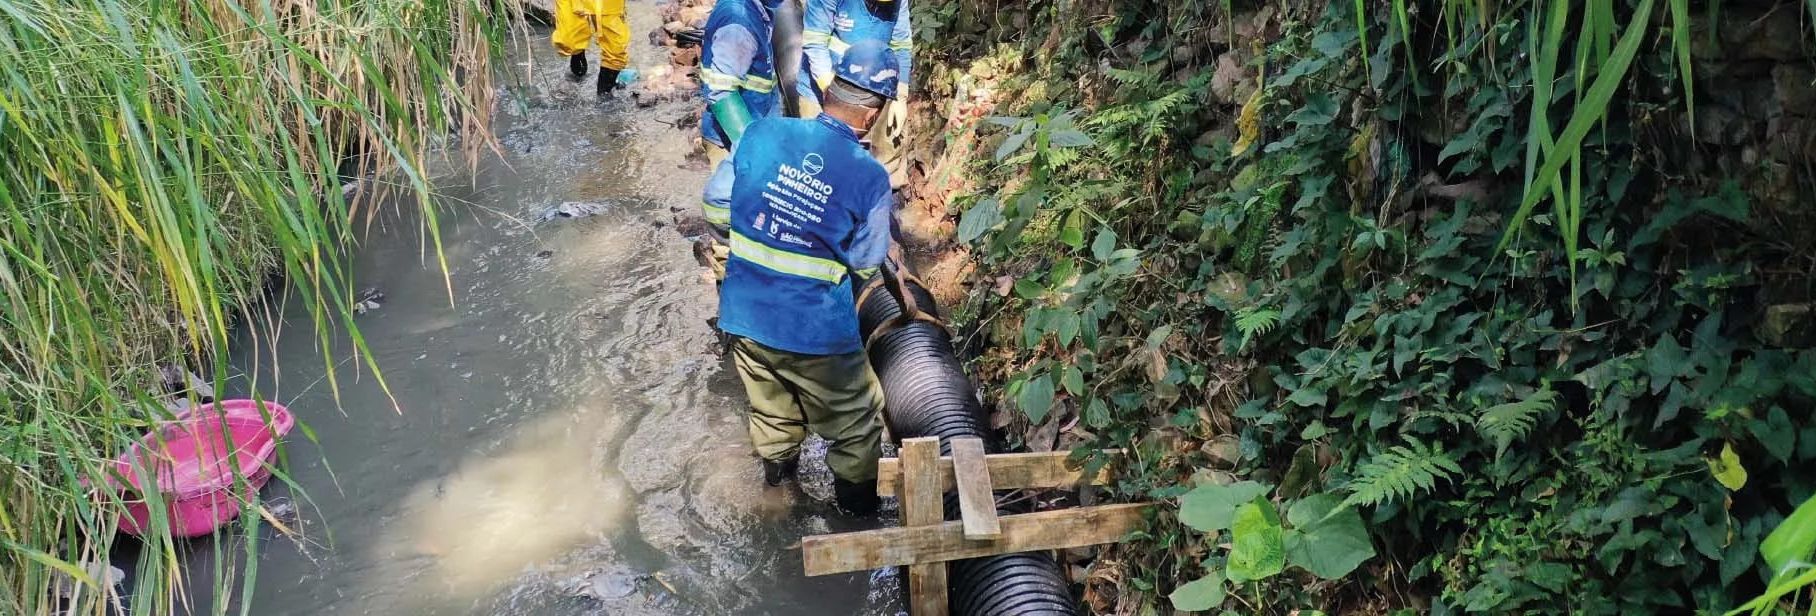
x,y
1223,82
367,300
1183,54
695,16
684,56
1757,33
614,583
1794,88
1225,450
179,381
1790,138
1719,125
573,209
101,573
1231,287
542,11
1787,325
1257,26
282,508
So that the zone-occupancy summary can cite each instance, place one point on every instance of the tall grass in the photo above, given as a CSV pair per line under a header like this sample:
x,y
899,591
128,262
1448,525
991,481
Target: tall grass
x,y
1598,59
161,158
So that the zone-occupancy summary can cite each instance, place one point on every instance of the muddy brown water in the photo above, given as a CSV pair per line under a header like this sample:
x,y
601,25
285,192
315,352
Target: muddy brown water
x,y
569,440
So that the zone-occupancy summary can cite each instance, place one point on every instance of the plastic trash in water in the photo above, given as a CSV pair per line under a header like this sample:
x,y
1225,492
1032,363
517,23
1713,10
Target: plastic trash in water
x,y
627,76
194,461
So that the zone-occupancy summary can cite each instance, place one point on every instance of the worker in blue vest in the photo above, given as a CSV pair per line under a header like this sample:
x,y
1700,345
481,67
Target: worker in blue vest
x,y
832,26
738,81
810,210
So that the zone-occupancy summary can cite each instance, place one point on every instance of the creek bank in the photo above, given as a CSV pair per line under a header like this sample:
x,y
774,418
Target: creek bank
x,y
1170,371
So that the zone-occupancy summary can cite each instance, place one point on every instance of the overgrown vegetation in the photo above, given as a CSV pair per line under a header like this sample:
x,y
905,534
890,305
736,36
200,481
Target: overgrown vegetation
x,y
1487,276
162,159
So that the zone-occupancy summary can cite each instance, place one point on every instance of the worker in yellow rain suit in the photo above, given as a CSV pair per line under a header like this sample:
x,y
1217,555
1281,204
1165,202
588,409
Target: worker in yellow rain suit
x,y
578,22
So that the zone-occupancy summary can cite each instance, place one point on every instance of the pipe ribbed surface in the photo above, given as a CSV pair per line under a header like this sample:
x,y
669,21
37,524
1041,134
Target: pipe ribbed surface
x,y
926,393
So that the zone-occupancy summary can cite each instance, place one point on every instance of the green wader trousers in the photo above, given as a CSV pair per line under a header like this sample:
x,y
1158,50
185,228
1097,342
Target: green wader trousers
x,y
835,396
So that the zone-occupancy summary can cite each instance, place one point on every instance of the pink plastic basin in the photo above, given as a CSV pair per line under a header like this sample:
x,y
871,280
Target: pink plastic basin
x,y
195,458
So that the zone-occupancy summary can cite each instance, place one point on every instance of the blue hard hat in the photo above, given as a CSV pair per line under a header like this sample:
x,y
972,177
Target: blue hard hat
x,y
870,66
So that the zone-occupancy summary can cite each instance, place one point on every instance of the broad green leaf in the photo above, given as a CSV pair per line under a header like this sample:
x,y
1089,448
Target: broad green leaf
x,y
1727,468
1073,380
978,220
1073,232
1036,397
1201,594
1319,110
1327,538
1776,433
1209,508
1314,431
1097,414
1666,360
1124,262
1159,336
1070,138
1307,396
1794,541
1104,244
1028,288
1014,142
1065,326
1257,547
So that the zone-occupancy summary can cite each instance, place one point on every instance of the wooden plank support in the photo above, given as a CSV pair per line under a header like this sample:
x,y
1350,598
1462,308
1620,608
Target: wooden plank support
x,y
921,545
976,503
923,506
1008,471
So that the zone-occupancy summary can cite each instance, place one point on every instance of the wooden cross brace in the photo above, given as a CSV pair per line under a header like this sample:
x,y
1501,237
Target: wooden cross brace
x,y
926,541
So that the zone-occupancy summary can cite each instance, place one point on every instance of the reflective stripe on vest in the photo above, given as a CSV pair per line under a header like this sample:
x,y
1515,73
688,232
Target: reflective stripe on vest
x,y
838,45
720,216
720,81
759,83
717,80
786,262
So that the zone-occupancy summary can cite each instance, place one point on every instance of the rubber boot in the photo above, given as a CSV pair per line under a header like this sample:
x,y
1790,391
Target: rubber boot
x,y
777,471
855,499
608,81
577,66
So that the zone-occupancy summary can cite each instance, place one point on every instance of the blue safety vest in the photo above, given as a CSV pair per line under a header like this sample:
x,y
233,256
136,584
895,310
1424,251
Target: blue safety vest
x,y
757,85
852,21
803,188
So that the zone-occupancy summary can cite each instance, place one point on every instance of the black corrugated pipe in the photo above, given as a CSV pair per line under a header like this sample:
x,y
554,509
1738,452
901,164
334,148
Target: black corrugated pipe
x,y
785,48
926,393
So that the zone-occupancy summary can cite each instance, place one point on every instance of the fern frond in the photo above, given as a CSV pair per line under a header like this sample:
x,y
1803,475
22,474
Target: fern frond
x,y
1450,417
1401,472
1130,78
1506,423
1059,158
1169,102
1252,321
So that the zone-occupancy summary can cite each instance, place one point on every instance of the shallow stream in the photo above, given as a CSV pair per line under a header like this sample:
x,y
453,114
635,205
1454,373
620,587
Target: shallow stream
x,y
567,439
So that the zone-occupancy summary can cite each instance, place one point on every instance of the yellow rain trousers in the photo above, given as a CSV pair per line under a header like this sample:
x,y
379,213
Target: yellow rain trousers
x,y
578,22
